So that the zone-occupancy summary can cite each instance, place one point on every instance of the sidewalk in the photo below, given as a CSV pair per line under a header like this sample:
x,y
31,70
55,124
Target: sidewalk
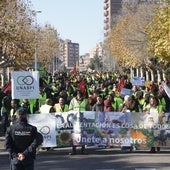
x,y
2,139
2,150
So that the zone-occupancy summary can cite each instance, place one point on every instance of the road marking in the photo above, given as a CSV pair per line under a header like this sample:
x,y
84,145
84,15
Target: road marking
x,y
135,169
145,169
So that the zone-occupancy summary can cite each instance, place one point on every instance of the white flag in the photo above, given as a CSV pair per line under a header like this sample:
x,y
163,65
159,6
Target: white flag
x,y
167,89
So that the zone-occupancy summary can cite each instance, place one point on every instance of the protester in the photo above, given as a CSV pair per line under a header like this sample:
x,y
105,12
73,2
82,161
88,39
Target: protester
x,y
155,110
26,105
99,105
47,107
5,110
108,104
130,104
117,100
79,103
42,97
14,106
61,106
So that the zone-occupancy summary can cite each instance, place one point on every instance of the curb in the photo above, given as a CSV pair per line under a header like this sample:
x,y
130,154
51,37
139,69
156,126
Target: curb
x,y
2,139
3,152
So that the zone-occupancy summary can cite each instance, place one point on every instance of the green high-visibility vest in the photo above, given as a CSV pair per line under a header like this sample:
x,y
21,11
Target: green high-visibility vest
x,y
78,105
59,109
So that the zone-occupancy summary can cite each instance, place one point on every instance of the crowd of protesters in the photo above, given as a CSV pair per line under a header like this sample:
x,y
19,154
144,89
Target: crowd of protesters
x,y
95,91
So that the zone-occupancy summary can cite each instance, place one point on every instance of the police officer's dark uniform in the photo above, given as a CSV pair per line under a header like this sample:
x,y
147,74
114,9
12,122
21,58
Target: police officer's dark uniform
x,y
21,142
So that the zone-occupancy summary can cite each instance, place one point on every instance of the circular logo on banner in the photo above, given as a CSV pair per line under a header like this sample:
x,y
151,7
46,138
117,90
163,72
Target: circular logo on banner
x,y
25,80
45,130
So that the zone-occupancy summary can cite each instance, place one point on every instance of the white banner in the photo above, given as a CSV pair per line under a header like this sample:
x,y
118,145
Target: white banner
x,y
102,129
166,88
125,92
138,81
25,84
46,125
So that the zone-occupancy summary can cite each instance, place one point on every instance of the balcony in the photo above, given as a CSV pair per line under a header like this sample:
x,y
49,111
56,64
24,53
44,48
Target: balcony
x,y
106,13
105,1
106,27
106,20
106,6
106,34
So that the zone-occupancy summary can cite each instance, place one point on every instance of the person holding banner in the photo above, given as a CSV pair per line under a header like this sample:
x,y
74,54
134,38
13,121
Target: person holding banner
x,y
99,105
44,109
61,106
130,105
108,104
47,107
79,103
157,113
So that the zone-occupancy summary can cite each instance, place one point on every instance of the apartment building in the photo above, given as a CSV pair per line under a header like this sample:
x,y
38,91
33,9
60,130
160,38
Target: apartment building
x,y
69,53
112,8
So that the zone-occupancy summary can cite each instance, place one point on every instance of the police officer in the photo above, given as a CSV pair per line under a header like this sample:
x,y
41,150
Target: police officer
x,y
21,141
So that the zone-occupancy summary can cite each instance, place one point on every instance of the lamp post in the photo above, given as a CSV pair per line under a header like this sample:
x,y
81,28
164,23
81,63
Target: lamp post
x,y
35,54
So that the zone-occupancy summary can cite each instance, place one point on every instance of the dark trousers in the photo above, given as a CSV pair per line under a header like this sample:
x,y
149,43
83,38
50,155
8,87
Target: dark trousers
x,y
155,149
26,164
5,122
82,148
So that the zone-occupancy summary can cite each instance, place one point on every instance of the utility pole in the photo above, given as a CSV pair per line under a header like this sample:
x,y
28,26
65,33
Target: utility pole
x,y
36,25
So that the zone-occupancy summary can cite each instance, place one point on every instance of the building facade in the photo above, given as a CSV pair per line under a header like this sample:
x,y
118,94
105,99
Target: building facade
x,y
112,8
69,53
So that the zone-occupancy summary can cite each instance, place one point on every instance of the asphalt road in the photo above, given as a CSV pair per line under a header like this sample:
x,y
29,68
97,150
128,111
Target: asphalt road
x,y
97,159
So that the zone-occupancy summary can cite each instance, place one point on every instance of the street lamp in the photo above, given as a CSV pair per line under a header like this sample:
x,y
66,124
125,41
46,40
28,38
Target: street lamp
x,y
35,55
